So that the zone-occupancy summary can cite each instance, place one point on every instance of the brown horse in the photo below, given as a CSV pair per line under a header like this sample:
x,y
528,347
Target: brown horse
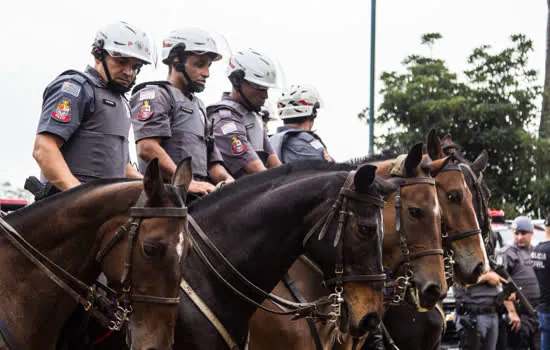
x,y
411,248
70,229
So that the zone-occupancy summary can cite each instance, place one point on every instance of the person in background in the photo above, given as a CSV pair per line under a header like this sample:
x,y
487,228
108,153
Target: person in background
x,y
541,264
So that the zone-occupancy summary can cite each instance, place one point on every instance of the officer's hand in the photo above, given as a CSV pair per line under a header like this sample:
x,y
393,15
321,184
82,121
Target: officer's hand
x,y
201,187
515,322
512,297
491,278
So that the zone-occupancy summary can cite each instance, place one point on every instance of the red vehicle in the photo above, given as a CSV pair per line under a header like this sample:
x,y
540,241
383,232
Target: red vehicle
x,y
9,204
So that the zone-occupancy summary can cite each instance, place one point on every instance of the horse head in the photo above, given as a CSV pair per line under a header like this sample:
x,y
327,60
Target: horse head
x,y
462,235
145,264
349,252
412,233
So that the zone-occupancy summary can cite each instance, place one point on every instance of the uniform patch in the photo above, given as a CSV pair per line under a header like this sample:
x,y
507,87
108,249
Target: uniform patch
x,y
145,111
229,127
316,144
63,112
109,102
146,95
71,89
237,147
327,156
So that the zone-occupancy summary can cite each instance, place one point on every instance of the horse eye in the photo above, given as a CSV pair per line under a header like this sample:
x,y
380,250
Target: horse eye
x,y
455,196
152,249
416,213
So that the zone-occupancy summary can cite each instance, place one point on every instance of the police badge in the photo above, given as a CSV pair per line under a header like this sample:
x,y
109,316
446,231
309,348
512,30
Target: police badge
x,y
63,112
145,111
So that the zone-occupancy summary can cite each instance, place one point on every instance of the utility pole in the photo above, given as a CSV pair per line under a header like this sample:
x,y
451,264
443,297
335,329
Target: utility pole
x,y
372,75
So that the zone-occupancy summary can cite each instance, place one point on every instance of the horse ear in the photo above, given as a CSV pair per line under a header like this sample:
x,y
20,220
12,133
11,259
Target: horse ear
x,y
387,187
480,164
152,182
183,176
434,145
413,160
364,177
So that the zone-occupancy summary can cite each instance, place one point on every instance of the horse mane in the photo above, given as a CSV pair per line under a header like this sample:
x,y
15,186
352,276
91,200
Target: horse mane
x,y
65,196
248,183
385,154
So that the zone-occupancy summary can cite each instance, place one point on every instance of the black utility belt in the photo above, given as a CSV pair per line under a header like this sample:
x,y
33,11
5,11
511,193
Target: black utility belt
x,y
474,309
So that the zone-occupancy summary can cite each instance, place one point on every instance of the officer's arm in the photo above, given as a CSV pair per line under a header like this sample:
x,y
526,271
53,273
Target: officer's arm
x,y
273,161
254,166
50,160
149,149
218,174
132,173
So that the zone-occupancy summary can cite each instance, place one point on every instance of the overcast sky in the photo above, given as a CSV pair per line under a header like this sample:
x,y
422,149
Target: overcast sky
x,y
324,43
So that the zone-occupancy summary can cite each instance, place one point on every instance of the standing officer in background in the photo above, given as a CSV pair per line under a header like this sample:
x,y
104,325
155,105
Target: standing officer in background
x,y
516,258
170,121
83,129
298,108
541,264
238,128
477,316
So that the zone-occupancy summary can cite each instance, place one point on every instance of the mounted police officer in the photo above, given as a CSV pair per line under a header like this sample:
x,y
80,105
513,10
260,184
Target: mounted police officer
x,y
298,108
83,129
238,128
170,121
517,260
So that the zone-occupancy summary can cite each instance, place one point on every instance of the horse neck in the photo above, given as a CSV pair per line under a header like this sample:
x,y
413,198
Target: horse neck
x,y
67,231
262,236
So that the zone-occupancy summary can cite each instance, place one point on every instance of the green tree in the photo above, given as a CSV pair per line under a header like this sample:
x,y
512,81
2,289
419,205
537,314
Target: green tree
x,y
493,108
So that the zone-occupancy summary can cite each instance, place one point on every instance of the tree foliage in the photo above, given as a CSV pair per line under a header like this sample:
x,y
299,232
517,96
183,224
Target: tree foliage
x,y
492,106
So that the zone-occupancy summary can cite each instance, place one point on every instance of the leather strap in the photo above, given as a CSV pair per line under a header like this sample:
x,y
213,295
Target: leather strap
x,y
289,283
6,338
148,212
208,314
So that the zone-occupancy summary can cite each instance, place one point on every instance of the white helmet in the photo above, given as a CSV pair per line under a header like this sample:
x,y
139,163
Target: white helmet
x,y
195,40
299,101
253,67
121,39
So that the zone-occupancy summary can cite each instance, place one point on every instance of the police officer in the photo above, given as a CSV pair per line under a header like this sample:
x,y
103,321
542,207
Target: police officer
x,y
298,108
517,260
541,264
83,129
238,128
170,121
476,308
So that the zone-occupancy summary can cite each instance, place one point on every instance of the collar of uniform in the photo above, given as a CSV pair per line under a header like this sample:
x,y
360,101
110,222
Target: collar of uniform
x,y
227,96
285,127
95,75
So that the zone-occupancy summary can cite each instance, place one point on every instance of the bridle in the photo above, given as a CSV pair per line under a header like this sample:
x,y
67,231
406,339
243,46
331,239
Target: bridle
x,y
85,295
308,309
400,283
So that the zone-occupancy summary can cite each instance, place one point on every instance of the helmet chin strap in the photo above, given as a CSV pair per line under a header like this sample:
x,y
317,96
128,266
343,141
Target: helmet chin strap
x,y
192,86
247,103
113,85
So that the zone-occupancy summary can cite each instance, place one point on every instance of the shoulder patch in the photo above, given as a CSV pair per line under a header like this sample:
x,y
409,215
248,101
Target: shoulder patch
x,y
228,127
71,88
145,111
63,111
146,95
237,147
316,144
327,156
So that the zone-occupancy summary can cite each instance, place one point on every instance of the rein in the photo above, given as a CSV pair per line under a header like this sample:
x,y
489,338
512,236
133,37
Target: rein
x,y
87,297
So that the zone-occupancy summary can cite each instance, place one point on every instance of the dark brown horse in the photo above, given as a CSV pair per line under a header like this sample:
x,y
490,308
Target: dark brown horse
x,y
71,228
411,228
